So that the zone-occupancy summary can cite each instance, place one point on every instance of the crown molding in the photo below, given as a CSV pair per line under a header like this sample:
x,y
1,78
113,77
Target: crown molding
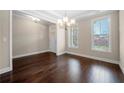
x,y
43,15
95,13
27,17
52,16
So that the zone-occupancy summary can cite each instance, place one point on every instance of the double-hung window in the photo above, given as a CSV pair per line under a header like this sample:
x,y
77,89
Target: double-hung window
x,y
101,40
73,37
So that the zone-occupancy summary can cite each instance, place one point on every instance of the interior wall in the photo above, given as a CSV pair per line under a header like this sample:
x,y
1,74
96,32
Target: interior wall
x,y
29,37
52,38
61,43
121,15
4,41
85,38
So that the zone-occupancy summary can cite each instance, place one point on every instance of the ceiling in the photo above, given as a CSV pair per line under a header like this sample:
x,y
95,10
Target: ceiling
x,y
69,13
53,15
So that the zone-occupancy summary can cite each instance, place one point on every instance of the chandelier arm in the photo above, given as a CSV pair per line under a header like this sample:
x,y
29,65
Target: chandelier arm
x,y
66,21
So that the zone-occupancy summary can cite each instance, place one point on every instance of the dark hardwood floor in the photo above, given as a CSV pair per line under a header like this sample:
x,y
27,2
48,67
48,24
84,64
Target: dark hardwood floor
x,y
49,68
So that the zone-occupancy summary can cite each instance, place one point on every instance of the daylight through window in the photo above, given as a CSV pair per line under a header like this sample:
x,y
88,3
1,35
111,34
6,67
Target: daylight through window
x,y
101,34
73,37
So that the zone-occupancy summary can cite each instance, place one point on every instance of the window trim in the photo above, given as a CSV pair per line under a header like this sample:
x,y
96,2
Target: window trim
x,y
68,35
110,34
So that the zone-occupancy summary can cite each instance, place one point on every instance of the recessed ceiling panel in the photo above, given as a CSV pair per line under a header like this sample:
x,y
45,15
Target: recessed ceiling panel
x,y
70,13
53,15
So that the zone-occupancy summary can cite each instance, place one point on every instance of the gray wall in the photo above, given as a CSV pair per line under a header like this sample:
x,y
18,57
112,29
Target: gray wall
x,y
4,40
85,38
52,38
28,36
60,40
122,40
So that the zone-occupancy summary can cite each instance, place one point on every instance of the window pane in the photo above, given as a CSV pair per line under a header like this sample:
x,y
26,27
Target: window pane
x,y
105,26
101,35
73,37
105,32
96,28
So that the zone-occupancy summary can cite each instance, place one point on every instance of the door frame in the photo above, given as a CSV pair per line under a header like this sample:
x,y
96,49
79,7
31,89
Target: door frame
x,y
10,43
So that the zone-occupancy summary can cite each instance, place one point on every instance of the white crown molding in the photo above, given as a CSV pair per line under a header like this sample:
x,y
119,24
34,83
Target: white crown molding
x,y
39,15
26,17
52,16
95,13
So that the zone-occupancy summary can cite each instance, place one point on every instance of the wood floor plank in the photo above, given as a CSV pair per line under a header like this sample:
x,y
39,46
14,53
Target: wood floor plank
x,y
49,68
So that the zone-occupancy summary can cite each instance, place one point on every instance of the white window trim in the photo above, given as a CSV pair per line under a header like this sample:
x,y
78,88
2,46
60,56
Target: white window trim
x,y
110,34
69,46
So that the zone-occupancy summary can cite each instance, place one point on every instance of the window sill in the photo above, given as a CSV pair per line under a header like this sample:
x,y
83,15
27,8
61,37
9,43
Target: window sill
x,y
104,51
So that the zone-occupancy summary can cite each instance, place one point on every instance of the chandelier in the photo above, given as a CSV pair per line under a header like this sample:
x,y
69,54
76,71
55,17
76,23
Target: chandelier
x,y
66,22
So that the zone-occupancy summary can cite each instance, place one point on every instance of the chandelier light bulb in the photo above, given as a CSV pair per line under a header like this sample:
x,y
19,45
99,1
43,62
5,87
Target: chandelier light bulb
x,y
68,24
35,19
72,21
59,21
65,19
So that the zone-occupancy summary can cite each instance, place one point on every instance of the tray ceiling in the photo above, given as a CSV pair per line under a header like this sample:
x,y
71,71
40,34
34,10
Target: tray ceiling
x,y
53,15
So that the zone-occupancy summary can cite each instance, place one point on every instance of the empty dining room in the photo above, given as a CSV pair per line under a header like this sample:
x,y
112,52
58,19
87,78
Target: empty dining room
x,y
61,46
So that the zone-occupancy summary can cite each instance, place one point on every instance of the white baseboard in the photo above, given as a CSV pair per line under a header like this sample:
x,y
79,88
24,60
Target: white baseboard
x,y
58,54
122,68
4,70
96,58
28,54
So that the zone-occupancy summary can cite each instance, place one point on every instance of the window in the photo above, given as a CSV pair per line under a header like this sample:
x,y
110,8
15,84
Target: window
x,y
73,37
101,34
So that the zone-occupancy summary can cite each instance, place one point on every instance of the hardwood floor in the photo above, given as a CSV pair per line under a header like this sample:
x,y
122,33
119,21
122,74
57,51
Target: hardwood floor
x,y
49,68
